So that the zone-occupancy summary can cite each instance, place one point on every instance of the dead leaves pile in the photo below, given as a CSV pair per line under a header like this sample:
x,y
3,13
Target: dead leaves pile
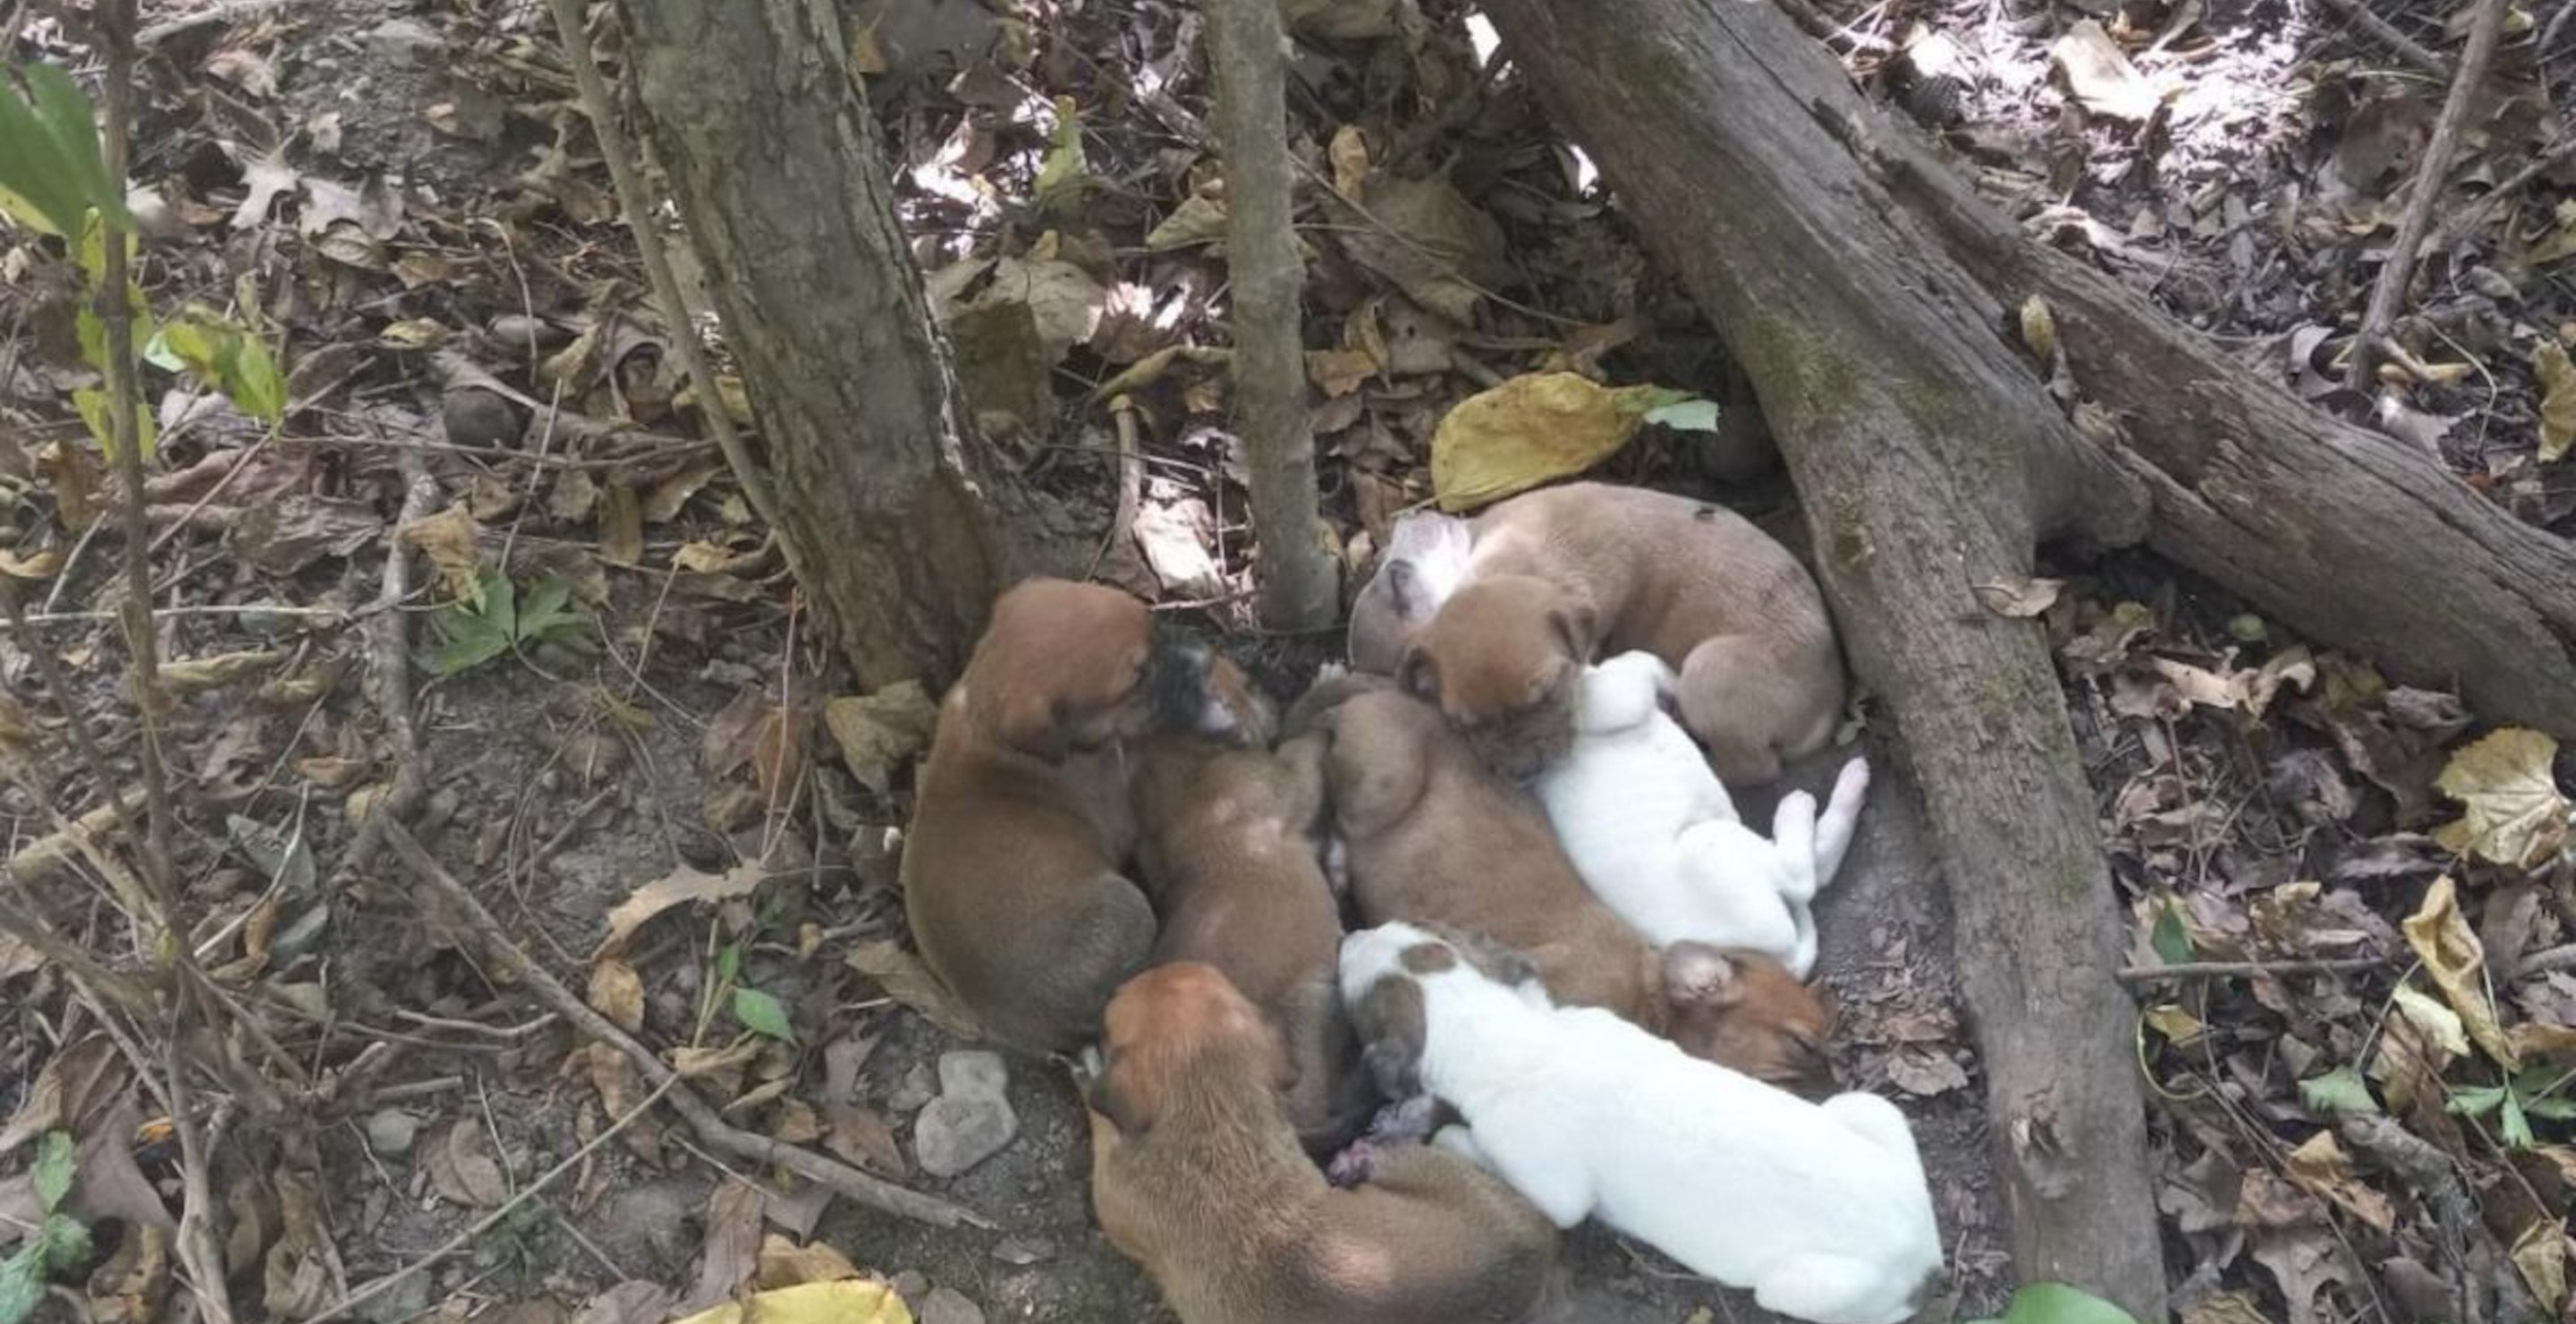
x,y
2328,1123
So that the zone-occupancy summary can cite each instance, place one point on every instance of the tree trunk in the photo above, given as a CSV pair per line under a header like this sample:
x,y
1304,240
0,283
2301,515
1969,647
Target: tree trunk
x,y
779,172
1928,462
1300,589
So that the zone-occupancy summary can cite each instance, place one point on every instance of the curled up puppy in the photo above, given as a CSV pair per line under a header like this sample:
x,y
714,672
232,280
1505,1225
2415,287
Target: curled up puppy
x,y
1011,868
1657,838
1820,1208
1430,835
1559,576
1229,851
1196,1175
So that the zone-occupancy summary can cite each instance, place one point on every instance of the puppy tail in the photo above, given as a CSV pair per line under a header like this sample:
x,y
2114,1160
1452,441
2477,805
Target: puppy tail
x,y
1313,710
1840,821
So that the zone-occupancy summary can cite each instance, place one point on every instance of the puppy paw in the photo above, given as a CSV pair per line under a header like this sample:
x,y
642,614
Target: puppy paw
x,y
1351,1166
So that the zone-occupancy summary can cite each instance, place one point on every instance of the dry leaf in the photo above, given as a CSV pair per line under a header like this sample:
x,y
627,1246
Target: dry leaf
x,y
849,1301
40,565
2099,74
196,675
617,993
447,539
1200,219
302,1273
731,1247
682,884
1529,430
905,979
880,732
2452,956
2540,1255
2039,329
2557,399
1442,246
621,526
2018,596
2321,1166
783,1263
2516,813
461,1166
863,1139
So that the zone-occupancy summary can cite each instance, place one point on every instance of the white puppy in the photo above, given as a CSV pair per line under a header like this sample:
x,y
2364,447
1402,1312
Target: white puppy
x,y
1652,830
1820,1209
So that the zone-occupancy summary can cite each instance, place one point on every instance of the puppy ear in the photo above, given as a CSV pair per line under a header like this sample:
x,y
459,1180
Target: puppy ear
x,y
1696,974
1419,674
1391,1064
1034,724
1400,587
1113,1094
1573,625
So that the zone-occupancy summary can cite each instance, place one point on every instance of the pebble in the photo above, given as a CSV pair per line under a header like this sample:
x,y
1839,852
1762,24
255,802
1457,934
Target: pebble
x,y
946,1305
1021,1252
390,1132
916,1088
971,1120
473,416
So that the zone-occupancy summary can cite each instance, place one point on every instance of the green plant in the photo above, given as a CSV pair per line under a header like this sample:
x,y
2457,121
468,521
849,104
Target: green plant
x,y
490,621
58,1242
2524,1096
2057,1303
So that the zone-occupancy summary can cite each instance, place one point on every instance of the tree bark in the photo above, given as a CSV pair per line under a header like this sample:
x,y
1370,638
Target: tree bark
x,y
778,169
1299,587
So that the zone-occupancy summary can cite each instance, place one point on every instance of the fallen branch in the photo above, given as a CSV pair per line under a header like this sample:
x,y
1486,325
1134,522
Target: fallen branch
x,y
2482,1274
2371,345
2387,34
840,1178
389,674
2153,974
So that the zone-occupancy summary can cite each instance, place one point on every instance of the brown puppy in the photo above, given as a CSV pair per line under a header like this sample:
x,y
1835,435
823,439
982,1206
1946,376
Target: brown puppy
x,y
1436,838
1011,868
1197,1176
1560,576
1229,850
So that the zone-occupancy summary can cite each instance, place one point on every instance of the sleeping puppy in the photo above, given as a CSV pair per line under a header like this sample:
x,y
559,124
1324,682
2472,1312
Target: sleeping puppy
x,y
1820,1208
1197,1176
1228,848
1654,834
1433,836
1011,868
1425,558
1564,574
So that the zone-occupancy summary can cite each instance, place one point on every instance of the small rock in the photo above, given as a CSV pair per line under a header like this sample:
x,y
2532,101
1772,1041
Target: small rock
x,y
476,417
406,39
1021,1252
912,1285
971,1120
915,1089
390,1132
946,1305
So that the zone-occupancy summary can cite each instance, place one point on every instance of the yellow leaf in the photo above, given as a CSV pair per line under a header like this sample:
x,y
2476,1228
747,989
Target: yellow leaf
x,y
2557,399
2453,957
2516,813
1532,428
197,674
1350,156
2178,1026
617,993
2436,1026
414,333
41,565
621,526
849,1301
447,539
2039,329
2321,1166
2540,1255
783,1263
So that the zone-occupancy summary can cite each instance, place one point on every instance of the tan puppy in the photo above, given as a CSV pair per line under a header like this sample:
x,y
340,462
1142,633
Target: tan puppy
x,y
1561,576
1011,869
1229,850
1436,838
1197,1176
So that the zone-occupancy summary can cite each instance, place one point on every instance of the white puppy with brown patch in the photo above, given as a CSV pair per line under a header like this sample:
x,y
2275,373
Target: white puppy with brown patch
x,y
1820,1208
1654,834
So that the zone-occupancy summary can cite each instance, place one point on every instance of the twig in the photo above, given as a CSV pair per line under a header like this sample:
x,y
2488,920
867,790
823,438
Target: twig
x,y
1244,37
841,1178
2459,222
2388,35
116,314
2154,974
1131,482
2562,957
389,672
205,18
2371,345
494,1219
330,615
637,204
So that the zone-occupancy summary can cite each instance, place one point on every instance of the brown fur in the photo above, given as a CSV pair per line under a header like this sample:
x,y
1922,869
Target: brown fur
x,y
1197,1176
1561,576
1011,867
1228,851
1435,838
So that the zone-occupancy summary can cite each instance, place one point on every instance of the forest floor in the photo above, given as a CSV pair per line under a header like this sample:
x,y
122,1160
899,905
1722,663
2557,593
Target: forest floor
x,y
670,799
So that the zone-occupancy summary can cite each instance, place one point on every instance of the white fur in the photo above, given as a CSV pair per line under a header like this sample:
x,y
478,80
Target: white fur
x,y
1821,1209
1652,831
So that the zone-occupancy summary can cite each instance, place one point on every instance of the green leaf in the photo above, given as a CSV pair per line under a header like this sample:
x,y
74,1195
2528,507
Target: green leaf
x,y
2057,1303
762,1014
2475,1102
728,963
22,1283
2549,1109
228,358
52,170
1065,172
2340,1092
1685,416
2515,1127
2171,939
53,1172
92,404
65,1240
